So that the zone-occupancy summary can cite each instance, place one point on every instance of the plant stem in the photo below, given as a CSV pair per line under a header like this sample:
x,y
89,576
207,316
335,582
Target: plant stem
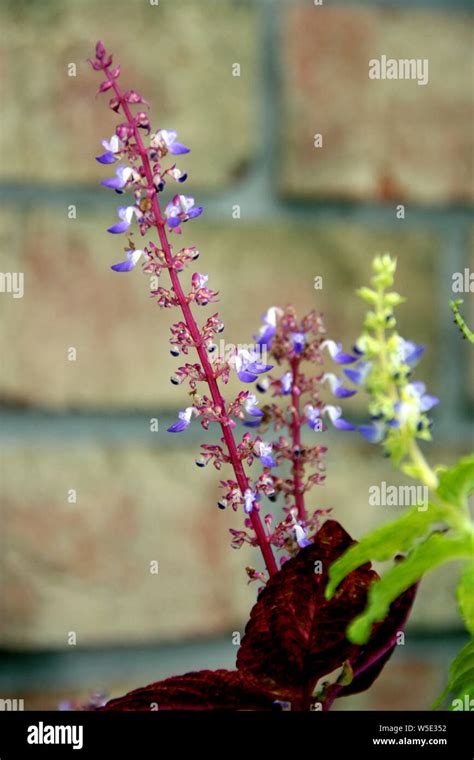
x,y
193,328
427,476
295,428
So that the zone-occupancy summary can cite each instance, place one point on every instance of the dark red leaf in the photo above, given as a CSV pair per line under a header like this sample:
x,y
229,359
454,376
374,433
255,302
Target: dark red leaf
x,y
295,636
376,653
204,690
293,639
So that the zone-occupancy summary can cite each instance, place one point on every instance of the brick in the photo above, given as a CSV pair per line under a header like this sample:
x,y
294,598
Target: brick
x,y
179,58
72,299
384,140
85,567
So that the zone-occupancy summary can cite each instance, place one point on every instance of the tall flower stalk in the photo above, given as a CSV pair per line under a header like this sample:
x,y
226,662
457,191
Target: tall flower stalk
x,y
146,177
297,405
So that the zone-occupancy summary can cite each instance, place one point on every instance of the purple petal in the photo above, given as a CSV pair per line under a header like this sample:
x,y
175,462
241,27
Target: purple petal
x,y
258,368
355,375
268,461
342,424
115,184
252,423
106,158
119,227
371,433
195,211
428,402
124,266
255,411
342,358
342,392
246,377
174,221
183,178
177,149
178,427
266,337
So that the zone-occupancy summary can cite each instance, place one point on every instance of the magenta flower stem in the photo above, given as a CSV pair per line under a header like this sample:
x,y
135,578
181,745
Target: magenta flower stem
x,y
295,428
191,324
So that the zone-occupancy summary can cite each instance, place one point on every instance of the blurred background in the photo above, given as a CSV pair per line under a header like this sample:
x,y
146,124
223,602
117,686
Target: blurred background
x,y
89,495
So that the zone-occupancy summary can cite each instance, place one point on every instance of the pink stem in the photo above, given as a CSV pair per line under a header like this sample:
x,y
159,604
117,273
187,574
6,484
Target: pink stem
x,y
191,324
295,428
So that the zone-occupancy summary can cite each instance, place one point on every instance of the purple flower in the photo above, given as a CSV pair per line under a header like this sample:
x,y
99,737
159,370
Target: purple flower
x,y
185,417
301,536
313,415
111,148
180,209
249,498
286,383
359,374
264,451
124,175
337,388
125,214
334,413
176,173
247,364
166,139
298,341
251,407
133,257
268,329
414,403
409,352
374,432
336,352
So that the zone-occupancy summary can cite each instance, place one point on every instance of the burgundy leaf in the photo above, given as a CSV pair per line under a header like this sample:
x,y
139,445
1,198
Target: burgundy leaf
x,y
376,653
203,690
295,636
293,639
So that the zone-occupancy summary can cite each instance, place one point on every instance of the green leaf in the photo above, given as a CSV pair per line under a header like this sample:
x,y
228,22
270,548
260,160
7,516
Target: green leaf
x,y
456,484
461,676
436,550
384,543
465,596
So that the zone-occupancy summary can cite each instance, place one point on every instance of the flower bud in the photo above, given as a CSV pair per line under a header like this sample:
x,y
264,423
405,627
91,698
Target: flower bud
x,y
100,50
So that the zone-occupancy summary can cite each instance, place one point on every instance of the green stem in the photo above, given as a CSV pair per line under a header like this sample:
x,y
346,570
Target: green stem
x,y
427,476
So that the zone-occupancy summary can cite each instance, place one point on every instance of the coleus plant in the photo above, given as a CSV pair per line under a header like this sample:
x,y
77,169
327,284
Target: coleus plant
x,y
443,530
296,652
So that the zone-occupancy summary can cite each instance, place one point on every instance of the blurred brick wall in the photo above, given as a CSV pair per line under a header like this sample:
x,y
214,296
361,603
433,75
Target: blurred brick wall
x,y
304,212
